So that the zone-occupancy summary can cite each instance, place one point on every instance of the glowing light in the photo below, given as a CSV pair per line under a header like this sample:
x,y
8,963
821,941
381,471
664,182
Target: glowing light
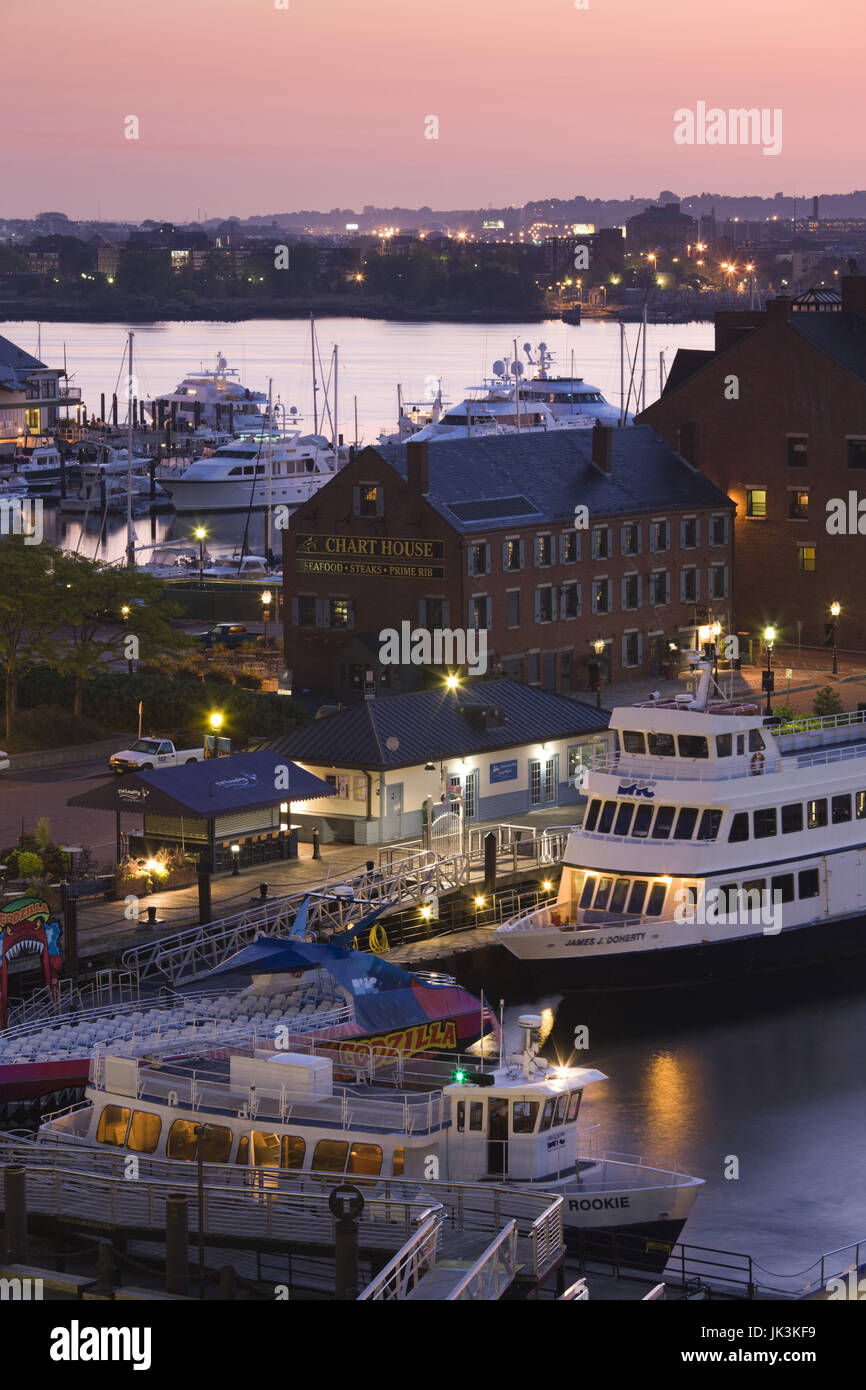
x,y
769,635
479,901
547,885
452,682
835,609
216,721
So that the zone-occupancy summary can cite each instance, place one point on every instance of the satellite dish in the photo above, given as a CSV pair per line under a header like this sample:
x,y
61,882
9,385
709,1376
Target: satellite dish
x,y
517,368
392,744
542,347
499,367
527,347
293,410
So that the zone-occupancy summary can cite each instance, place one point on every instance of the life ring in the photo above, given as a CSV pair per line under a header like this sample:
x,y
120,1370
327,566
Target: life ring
x,y
757,764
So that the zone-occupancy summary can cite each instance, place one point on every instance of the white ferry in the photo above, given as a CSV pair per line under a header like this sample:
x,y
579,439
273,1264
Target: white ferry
x,y
715,842
372,1114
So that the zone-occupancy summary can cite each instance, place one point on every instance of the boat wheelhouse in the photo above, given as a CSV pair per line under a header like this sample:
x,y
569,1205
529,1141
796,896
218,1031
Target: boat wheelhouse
x,y
367,1112
715,841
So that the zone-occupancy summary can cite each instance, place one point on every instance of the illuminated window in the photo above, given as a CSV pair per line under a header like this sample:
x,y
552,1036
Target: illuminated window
x,y
292,1151
366,1159
399,1161
806,559
329,1156
756,503
798,505
113,1124
144,1132
266,1150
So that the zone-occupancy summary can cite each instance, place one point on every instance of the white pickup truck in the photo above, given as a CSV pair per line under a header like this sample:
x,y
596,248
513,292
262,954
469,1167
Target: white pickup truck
x,y
148,753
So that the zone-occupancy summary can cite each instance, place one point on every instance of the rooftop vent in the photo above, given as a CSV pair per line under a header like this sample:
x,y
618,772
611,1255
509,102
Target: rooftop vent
x,y
484,716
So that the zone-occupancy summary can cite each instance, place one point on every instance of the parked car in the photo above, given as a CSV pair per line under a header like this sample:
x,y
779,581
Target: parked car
x,y
225,635
4,761
148,753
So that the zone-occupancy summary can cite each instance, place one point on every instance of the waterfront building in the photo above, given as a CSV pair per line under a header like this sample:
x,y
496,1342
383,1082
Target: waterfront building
x,y
545,544
499,749
775,415
31,395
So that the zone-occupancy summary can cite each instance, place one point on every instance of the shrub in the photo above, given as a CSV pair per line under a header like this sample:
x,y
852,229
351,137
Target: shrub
x,y
29,865
827,701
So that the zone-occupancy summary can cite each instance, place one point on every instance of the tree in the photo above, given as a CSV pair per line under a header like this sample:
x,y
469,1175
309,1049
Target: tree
x,y
27,613
826,701
91,597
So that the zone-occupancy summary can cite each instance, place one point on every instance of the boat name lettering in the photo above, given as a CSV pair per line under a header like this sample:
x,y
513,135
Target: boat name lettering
x,y
607,940
636,789
440,1033
557,1142
598,1203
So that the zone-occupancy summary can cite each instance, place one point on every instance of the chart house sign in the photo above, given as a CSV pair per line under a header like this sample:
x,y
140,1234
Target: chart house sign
x,y
374,555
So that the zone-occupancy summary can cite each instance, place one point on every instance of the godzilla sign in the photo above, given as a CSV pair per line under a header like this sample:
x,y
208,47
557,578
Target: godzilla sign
x,y
28,927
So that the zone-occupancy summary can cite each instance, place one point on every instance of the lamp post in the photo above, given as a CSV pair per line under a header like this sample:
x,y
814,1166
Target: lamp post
x,y
835,610
124,613
216,723
769,639
200,534
266,597
598,648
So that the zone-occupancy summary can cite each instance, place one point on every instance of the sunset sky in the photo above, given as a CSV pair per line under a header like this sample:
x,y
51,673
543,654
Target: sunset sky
x,y
246,108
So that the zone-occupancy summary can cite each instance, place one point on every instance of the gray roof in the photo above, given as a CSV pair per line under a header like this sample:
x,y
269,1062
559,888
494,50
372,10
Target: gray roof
x,y
513,480
841,336
16,365
430,725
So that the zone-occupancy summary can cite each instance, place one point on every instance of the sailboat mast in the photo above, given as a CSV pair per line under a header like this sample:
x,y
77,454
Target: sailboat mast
x,y
643,360
270,472
130,532
516,385
336,402
315,382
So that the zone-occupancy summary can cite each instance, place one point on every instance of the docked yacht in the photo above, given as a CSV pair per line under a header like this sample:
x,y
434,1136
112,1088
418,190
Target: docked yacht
x,y
715,842
566,397
215,399
36,465
254,473
322,1109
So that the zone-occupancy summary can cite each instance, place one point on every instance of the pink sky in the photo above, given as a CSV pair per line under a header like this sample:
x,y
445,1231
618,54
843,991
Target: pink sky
x,y
245,108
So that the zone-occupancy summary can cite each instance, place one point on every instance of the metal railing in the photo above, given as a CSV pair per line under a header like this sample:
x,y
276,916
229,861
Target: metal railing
x,y
404,1272
492,1273
576,1292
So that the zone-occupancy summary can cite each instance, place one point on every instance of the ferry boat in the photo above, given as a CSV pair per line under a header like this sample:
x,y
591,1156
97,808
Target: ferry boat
x,y
372,1115
715,842
254,473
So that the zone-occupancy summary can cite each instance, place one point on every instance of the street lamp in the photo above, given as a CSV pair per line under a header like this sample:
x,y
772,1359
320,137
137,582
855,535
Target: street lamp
x,y
216,723
200,534
769,639
598,648
452,682
266,597
835,610
124,613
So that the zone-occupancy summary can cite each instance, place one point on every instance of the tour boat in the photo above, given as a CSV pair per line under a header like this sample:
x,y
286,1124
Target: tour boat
x,y
255,473
715,842
372,1114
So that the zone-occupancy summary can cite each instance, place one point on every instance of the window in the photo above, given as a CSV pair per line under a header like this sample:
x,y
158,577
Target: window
x,y
601,596
806,559
798,505
637,896
524,1113
144,1132
329,1156
709,825
340,612
861,805
642,822
512,608
798,450
369,500
266,1150
600,542
592,810
756,503
656,902
764,823
479,558
113,1123
366,1159
631,649
544,605
549,781
689,587
292,1151
660,588
512,555
569,547
783,884
606,818
661,745
808,883
633,741
631,591
182,1140
588,890
686,821
398,1162
559,1112
840,809
816,813
659,537
718,530
718,577
630,539
753,894
756,741
306,610
533,668
573,1106
856,459
724,745
663,822
689,532
792,818
479,612
547,1114
476,1108
571,600
543,551
739,828
535,784
693,746
623,818
216,1143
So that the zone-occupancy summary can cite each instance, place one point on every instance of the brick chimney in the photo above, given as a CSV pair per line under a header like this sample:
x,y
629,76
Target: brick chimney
x,y
778,309
853,289
418,467
602,447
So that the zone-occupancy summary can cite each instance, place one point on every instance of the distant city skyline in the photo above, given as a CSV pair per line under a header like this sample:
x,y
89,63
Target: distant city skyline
x,y
245,107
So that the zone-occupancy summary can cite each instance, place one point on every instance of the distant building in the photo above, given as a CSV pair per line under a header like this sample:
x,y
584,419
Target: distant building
x,y
31,395
776,416
660,228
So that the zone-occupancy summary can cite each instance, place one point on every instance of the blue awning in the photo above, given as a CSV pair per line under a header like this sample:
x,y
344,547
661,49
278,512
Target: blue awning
x,y
243,781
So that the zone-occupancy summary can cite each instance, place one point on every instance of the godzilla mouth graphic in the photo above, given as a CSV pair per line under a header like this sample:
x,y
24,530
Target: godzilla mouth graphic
x,y
28,947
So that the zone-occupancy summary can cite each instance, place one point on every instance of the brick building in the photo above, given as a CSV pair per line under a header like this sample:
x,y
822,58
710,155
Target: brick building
x,y
776,416
481,535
